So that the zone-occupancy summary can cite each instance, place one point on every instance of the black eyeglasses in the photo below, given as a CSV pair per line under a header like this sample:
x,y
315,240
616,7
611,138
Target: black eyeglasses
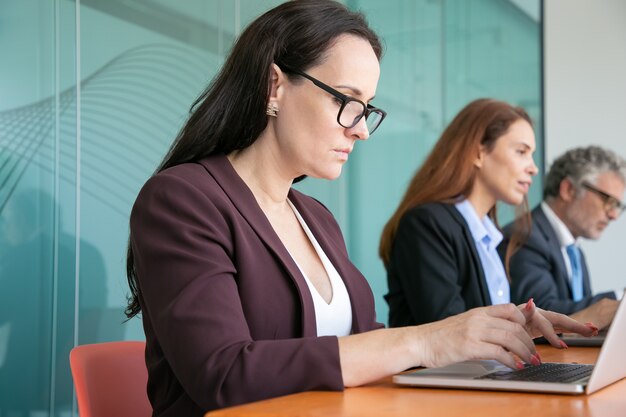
x,y
610,203
352,109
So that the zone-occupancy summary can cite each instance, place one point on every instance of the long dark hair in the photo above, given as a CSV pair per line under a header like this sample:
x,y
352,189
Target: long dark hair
x,y
449,170
230,114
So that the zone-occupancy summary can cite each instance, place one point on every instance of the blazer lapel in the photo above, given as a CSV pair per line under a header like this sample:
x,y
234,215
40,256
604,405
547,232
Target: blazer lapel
x,y
336,252
545,228
220,168
469,240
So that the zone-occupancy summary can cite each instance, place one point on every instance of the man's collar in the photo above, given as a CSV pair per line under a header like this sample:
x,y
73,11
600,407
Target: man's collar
x,y
560,229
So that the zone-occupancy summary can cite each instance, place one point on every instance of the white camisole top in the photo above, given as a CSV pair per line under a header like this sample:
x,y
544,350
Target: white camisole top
x,y
334,318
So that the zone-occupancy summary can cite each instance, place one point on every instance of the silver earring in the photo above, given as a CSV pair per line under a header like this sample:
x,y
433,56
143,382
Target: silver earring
x,y
272,110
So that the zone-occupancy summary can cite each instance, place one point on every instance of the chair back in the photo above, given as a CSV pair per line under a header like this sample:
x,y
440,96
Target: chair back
x,y
110,379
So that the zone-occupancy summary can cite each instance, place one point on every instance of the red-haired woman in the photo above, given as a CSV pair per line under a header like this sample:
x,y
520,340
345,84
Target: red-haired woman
x,y
439,247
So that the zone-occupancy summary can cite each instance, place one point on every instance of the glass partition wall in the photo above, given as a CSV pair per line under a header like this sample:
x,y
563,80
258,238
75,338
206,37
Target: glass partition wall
x,y
91,95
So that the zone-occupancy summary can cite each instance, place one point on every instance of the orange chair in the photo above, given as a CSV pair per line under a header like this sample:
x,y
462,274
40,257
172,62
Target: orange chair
x,y
110,379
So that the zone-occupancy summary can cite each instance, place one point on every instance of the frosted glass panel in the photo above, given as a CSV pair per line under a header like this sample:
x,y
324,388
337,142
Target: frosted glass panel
x,y
27,206
139,84
93,94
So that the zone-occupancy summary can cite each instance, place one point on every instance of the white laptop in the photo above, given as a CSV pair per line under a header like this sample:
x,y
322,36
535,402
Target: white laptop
x,y
577,340
573,339
560,378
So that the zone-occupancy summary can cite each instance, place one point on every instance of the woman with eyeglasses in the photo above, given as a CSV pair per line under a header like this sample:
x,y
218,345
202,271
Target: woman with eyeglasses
x,y
244,284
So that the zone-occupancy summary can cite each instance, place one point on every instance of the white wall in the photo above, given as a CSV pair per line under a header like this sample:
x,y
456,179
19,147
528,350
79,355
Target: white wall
x,y
585,103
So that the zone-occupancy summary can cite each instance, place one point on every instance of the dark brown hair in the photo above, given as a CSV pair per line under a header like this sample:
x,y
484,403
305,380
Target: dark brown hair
x,y
230,114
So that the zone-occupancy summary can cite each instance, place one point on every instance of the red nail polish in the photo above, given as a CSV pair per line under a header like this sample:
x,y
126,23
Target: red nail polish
x,y
519,365
593,328
564,345
529,304
534,360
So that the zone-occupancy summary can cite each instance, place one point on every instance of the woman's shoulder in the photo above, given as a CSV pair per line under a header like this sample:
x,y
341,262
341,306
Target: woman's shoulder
x,y
183,186
196,171
438,217
199,175
178,179
435,210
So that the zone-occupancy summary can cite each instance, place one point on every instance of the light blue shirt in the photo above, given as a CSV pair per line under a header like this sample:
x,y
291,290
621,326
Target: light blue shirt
x,y
487,237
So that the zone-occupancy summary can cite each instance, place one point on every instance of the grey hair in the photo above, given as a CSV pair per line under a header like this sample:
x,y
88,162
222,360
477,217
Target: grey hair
x,y
582,164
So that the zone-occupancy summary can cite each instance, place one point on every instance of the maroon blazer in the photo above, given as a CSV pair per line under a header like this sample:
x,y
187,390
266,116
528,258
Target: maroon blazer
x,y
227,314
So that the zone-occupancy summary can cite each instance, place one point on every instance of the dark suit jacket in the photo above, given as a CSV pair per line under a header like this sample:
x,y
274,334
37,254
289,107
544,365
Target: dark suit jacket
x,y
434,269
538,270
227,314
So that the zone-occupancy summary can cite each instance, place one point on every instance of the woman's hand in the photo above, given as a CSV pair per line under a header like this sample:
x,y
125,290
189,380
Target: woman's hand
x,y
499,332
496,332
502,332
548,323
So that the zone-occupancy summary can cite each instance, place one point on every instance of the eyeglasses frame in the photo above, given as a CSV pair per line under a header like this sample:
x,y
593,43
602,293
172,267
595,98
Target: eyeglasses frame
x,y
345,99
610,202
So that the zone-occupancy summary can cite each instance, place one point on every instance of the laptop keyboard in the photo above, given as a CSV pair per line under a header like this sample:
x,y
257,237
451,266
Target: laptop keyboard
x,y
546,372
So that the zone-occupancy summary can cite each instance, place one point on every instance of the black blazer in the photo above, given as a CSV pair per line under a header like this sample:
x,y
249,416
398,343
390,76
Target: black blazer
x,y
538,270
434,270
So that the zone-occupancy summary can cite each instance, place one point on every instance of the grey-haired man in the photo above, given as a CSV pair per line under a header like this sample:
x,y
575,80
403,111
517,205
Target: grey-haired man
x,y
583,193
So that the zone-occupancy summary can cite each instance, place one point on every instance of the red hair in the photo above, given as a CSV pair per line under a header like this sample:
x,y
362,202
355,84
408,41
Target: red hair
x,y
449,172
